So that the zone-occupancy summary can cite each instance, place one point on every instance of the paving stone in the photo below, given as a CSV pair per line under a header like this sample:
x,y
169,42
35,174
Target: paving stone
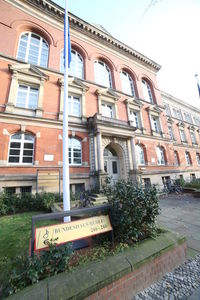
x,y
177,285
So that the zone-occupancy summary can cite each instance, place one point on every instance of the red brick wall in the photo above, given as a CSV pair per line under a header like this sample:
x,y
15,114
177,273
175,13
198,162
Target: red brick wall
x,y
131,284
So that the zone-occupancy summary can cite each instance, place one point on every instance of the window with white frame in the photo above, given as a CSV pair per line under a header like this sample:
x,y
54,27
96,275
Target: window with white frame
x,y
102,74
188,158
167,110
27,96
127,83
155,124
147,93
187,117
176,158
74,106
33,49
107,110
76,65
196,121
198,158
160,155
134,117
177,113
21,149
182,135
171,134
75,152
140,155
193,137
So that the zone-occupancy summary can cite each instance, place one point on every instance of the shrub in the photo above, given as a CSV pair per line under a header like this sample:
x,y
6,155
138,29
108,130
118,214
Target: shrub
x,y
10,204
29,270
134,210
195,183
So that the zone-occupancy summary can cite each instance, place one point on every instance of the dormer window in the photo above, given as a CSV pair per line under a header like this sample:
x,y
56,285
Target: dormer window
x,y
33,49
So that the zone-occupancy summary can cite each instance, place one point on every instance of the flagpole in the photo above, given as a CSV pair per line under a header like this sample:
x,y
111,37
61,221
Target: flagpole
x,y
66,190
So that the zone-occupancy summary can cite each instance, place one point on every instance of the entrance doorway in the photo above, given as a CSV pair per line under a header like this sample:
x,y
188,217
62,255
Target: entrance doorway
x,y
111,164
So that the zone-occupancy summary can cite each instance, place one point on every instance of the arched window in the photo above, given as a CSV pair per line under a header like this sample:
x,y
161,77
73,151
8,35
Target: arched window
x,y
76,65
75,152
127,83
140,155
33,49
147,93
160,155
102,74
21,149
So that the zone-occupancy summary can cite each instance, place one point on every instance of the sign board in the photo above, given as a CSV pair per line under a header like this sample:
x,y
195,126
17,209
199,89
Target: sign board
x,y
68,232
48,157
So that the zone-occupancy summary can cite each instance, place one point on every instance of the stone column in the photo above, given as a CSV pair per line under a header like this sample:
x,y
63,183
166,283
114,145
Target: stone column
x,y
133,153
39,109
99,152
13,93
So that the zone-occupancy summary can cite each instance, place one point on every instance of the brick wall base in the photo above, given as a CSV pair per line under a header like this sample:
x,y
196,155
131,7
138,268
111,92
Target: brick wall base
x,y
131,284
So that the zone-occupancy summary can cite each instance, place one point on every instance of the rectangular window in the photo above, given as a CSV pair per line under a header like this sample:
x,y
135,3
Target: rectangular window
x,y
134,118
193,138
177,113
188,159
171,132
187,117
167,110
25,189
10,190
182,135
74,106
155,124
198,158
27,96
107,110
176,158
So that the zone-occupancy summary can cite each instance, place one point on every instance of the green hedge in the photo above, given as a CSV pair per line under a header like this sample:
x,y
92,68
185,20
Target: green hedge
x,y
134,210
11,204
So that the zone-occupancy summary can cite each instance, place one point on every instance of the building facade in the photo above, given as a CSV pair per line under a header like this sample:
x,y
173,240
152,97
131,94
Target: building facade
x,y
120,124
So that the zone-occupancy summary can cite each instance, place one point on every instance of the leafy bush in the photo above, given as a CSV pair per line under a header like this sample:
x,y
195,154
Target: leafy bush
x,y
195,183
134,210
29,270
10,204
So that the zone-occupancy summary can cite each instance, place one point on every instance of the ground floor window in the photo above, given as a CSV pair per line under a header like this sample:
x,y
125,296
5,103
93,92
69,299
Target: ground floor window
x,y
18,190
26,189
10,190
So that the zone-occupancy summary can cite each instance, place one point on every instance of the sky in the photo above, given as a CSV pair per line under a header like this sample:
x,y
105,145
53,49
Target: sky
x,y
163,30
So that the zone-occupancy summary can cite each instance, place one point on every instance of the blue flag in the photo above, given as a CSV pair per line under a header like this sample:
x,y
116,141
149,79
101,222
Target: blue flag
x,y
198,85
67,35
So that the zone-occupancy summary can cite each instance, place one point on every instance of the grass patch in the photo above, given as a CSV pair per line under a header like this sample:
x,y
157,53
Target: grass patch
x,y
15,234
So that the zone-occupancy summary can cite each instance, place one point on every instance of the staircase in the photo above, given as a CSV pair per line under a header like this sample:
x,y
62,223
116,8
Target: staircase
x,y
98,199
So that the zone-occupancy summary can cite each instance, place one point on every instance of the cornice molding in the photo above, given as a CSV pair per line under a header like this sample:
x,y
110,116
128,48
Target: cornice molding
x,y
57,12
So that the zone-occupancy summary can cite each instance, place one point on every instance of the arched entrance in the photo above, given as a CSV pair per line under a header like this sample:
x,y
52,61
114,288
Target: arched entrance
x,y
111,163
